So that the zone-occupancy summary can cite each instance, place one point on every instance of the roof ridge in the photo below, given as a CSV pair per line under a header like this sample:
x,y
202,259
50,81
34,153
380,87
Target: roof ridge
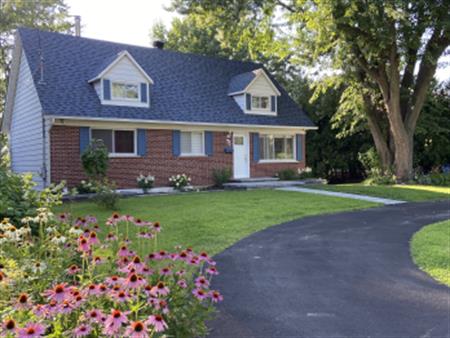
x,y
218,58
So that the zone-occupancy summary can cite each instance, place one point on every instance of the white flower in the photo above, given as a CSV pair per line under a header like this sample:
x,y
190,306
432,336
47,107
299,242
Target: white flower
x,y
38,267
75,231
58,239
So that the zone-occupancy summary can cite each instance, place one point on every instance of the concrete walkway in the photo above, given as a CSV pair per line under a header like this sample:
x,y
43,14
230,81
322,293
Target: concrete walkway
x,y
344,195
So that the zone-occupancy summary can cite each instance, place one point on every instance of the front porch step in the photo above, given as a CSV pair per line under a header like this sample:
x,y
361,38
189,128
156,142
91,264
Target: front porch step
x,y
255,179
269,184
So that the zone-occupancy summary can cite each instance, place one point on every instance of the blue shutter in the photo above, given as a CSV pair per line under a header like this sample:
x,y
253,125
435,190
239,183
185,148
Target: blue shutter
x,y
144,92
106,89
176,143
299,141
273,103
248,101
85,138
255,141
142,142
209,143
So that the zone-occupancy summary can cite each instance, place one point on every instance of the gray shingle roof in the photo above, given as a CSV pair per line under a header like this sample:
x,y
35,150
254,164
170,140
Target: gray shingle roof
x,y
239,82
187,87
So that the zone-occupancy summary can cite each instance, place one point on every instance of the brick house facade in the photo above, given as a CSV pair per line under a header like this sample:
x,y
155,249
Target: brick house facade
x,y
159,160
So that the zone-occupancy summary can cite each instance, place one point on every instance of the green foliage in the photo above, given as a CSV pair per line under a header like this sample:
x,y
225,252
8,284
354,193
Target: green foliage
x,y
18,198
221,176
50,15
85,187
105,195
180,181
439,179
378,177
287,175
95,160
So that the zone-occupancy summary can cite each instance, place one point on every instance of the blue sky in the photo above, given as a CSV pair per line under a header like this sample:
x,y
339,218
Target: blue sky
x,y
129,21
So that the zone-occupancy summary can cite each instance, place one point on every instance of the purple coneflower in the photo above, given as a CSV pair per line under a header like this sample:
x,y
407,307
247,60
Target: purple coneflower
x,y
215,296
114,322
83,244
160,289
94,315
202,282
73,269
31,330
200,294
182,284
134,281
137,329
165,271
8,327
212,270
157,321
23,302
93,239
82,331
59,292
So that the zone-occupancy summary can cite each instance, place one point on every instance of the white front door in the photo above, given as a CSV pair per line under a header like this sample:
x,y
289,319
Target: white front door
x,y
241,164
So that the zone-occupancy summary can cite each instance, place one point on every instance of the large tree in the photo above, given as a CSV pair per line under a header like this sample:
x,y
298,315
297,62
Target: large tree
x,y
50,15
389,49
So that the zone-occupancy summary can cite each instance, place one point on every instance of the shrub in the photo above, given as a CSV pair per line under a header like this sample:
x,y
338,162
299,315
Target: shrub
x,y
221,176
18,198
377,177
441,179
287,175
85,187
95,160
179,181
304,173
106,195
66,282
145,182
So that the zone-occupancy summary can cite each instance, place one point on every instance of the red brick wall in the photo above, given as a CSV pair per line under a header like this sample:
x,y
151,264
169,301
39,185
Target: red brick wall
x,y
159,161
270,169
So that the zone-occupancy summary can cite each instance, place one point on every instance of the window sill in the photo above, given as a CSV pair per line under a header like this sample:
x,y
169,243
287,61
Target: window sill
x,y
278,161
123,155
259,112
193,155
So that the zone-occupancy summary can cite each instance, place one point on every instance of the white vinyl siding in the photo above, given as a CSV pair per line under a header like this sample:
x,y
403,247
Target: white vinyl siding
x,y
26,134
192,144
261,86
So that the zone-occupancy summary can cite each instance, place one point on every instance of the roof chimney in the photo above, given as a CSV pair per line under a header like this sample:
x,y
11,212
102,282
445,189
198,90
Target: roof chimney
x,y
158,44
77,25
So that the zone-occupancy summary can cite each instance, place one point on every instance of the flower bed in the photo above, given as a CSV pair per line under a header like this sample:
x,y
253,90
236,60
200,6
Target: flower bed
x,y
65,281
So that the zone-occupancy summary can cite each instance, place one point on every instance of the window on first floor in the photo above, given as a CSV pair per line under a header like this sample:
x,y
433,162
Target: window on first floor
x,y
120,142
192,143
276,147
125,91
260,102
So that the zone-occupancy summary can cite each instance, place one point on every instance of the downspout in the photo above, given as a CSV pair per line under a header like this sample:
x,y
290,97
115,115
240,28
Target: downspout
x,y
46,126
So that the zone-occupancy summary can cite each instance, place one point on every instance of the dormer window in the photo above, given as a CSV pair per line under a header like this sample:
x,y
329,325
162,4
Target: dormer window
x,y
260,102
125,91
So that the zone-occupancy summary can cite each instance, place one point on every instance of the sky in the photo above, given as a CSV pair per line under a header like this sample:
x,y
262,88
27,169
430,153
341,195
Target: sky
x,y
129,21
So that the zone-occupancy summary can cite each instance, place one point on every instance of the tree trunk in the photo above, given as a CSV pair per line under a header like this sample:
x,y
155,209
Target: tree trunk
x,y
404,158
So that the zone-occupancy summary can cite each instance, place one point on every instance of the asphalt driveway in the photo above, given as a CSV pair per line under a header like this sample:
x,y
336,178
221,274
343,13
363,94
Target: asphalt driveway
x,y
342,275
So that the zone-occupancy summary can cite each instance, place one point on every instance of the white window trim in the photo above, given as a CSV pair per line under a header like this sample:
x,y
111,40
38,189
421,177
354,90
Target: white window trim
x,y
269,105
201,154
122,101
283,160
119,98
260,111
114,154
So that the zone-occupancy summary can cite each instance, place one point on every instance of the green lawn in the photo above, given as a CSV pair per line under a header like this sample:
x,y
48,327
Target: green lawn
x,y
398,192
213,221
430,249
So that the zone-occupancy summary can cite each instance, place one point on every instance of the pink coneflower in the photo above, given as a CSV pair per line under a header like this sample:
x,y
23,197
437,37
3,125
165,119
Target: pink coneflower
x,y
151,257
137,329
92,290
102,288
23,302
146,235
200,294
63,217
136,264
31,330
215,296
73,269
138,222
40,310
194,260
121,296
66,307
180,272
98,260
146,271
182,284
51,308
82,331
204,256
184,256
123,251
165,271
128,218
156,227
162,254
94,315
212,270
113,280
114,322
201,282
160,289
83,244
111,237
93,239
161,304
134,281
157,321
59,292
8,327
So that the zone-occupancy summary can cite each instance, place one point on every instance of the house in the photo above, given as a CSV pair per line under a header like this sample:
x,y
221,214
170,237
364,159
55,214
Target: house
x,y
157,111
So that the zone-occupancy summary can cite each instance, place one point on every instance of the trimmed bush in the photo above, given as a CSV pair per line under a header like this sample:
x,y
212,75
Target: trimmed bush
x,y
221,176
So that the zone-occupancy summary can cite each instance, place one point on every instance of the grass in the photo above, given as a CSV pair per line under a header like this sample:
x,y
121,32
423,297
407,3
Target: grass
x,y
430,249
410,193
213,221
